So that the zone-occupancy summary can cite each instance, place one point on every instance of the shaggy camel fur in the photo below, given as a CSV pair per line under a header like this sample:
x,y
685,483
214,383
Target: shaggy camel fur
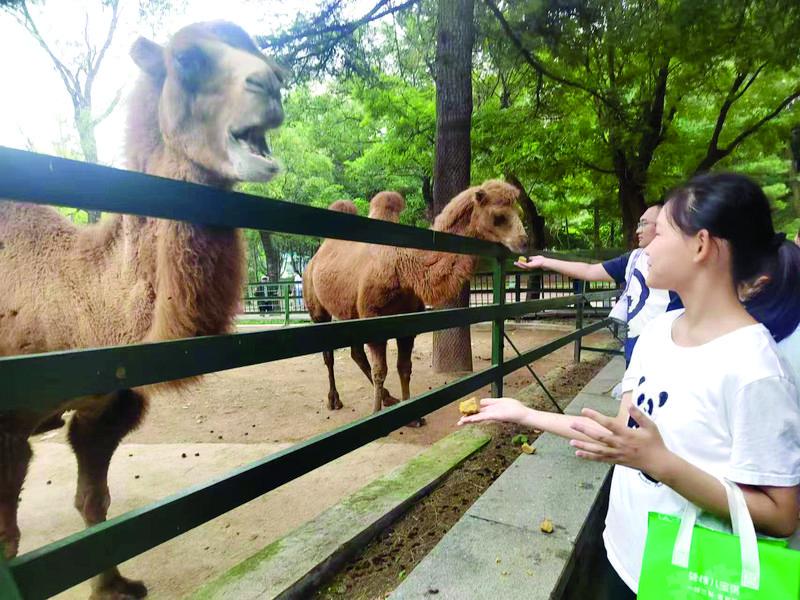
x,y
350,280
198,113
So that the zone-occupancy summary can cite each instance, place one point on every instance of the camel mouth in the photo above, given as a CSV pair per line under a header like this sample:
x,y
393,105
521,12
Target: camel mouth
x,y
253,140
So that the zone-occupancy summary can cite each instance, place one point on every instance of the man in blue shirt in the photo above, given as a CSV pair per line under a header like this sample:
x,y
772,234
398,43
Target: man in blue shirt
x,y
638,304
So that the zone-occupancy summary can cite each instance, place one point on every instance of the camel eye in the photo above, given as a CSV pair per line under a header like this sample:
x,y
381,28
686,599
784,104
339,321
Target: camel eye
x,y
500,220
192,66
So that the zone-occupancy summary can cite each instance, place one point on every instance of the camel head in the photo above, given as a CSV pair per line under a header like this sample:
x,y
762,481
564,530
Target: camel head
x,y
488,212
218,97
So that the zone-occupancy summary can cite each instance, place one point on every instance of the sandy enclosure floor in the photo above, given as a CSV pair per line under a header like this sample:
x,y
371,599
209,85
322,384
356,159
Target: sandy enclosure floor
x,y
238,416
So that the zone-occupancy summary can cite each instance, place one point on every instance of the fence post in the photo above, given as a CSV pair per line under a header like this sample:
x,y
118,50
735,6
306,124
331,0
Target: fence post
x,y
286,304
579,287
8,587
498,325
518,287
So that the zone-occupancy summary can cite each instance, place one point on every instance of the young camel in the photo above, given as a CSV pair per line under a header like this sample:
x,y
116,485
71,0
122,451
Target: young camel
x,y
198,113
351,280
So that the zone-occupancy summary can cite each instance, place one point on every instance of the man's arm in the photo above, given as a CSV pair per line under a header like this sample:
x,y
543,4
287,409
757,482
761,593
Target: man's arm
x,y
576,270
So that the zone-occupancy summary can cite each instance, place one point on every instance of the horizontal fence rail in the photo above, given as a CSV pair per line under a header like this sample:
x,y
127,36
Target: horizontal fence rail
x,y
44,382
42,179
83,554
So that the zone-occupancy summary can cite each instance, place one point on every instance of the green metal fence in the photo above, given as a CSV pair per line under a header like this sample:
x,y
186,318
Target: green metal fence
x,y
42,381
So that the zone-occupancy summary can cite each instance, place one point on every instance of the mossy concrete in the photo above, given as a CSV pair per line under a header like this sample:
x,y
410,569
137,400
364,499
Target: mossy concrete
x,y
294,565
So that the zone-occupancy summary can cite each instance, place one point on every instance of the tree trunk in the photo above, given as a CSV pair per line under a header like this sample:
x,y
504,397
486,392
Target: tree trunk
x,y
427,196
534,224
452,348
596,226
272,255
794,170
632,205
88,141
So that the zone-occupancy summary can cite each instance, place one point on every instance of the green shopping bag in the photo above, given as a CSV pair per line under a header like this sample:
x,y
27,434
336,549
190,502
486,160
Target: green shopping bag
x,y
684,561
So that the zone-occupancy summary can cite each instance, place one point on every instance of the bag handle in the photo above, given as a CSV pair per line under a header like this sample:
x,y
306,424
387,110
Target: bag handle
x,y
742,526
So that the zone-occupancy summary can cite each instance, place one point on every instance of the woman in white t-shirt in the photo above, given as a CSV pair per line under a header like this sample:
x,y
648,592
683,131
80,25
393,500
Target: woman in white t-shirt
x,y
709,395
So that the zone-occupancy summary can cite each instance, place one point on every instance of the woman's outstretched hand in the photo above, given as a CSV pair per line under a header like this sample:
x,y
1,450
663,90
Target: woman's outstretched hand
x,y
533,262
507,410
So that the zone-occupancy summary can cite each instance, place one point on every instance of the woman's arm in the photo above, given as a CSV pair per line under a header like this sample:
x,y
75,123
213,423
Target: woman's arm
x,y
509,410
576,270
773,509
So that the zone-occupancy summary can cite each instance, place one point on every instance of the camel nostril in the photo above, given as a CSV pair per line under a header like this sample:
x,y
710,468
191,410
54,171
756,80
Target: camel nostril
x,y
256,85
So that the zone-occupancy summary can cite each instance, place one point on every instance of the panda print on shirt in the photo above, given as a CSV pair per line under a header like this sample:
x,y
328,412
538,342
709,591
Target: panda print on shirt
x,y
648,404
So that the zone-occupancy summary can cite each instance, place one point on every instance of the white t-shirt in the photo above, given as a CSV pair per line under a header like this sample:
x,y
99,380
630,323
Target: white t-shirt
x,y
729,407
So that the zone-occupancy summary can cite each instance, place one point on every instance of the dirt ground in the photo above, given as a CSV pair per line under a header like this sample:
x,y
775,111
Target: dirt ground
x,y
238,416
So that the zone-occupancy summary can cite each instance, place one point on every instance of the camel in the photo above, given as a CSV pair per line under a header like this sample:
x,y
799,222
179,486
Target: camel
x,y
351,280
198,113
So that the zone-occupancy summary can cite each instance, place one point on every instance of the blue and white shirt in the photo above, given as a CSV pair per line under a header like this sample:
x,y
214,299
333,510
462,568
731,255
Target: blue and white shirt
x,y
643,303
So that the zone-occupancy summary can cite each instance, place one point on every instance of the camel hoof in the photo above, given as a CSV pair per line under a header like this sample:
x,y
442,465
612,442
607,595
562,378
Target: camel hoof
x,y
120,588
417,423
389,400
334,403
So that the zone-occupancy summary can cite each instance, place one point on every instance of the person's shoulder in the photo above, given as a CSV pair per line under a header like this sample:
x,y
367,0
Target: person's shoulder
x,y
753,354
616,267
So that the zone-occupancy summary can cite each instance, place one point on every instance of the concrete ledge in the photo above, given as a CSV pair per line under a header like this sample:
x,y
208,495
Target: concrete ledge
x,y
496,549
294,565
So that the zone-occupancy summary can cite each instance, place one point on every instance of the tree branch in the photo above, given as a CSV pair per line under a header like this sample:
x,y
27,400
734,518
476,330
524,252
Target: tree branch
x,y
714,154
70,81
111,106
343,29
723,112
595,167
95,66
538,66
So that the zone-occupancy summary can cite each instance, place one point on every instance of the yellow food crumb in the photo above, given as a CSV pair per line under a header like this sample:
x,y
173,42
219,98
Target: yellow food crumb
x,y
497,560
527,448
530,573
504,573
522,259
469,407
546,526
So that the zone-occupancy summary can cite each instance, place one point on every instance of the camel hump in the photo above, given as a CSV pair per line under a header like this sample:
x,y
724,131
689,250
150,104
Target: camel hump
x,y
386,206
345,206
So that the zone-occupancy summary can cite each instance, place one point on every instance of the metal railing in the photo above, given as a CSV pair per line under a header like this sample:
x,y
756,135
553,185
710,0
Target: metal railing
x,y
41,382
285,298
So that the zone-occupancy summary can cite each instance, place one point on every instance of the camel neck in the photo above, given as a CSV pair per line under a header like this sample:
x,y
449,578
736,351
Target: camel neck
x,y
193,273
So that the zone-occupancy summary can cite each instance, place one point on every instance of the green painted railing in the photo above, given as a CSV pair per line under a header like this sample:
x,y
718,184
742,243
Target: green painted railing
x,y
42,381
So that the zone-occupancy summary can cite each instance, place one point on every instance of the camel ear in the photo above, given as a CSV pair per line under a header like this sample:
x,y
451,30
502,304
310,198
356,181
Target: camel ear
x,y
149,56
481,197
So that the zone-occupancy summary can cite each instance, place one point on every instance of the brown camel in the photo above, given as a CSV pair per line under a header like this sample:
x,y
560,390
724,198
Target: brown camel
x,y
198,113
350,280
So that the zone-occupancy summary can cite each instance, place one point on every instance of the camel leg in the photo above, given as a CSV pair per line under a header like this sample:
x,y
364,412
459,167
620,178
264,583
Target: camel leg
x,y
404,349
15,455
377,352
94,436
360,357
334,403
